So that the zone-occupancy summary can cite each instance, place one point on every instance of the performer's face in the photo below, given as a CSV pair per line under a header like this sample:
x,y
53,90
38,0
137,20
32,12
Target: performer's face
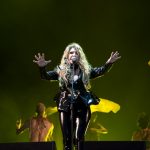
x,y
73,56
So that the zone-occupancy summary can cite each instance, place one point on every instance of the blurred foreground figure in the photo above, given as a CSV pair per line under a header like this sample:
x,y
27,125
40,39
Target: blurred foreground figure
x,y
143,131
40,128
95,129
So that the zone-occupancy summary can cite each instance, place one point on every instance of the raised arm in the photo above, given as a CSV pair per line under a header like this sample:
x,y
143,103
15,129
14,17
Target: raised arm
x,y
20,127
42,63
99,71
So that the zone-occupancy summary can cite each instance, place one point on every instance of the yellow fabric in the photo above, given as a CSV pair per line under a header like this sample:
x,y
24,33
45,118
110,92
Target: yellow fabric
x,y
105,106
51,110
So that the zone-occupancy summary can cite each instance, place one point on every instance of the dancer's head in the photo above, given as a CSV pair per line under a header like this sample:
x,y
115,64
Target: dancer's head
x,y
143,120
40,109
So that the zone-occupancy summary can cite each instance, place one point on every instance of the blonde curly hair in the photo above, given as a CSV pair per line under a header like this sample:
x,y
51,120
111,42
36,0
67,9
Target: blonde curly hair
x,y
63,69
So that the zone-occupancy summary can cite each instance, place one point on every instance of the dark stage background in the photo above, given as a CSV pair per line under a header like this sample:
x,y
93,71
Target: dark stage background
x,y
99,26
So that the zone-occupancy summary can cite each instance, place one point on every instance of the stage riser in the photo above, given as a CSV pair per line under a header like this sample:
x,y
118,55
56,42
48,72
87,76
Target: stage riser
x,y
88,145
114,145
28,146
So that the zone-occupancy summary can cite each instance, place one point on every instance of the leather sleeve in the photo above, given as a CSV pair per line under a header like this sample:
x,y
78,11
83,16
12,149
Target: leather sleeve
x,y
99,71
48,75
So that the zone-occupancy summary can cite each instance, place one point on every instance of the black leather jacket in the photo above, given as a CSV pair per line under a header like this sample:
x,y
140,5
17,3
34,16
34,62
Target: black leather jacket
x,y
65,96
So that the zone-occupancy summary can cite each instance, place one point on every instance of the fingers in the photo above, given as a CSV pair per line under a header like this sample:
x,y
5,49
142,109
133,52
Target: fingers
x,y
36,57
35,61
112,53
48,61
118,57
39,56
18,123
115,54
43,56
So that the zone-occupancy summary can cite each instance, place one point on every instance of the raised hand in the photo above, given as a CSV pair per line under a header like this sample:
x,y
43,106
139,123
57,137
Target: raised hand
x,y
40,60
113,57
18,123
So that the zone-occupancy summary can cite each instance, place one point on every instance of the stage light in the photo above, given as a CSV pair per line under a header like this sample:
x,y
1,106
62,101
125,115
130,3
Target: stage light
x,y
149,62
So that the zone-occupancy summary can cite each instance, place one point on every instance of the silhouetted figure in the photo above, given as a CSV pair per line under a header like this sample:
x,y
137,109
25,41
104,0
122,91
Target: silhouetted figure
x,y
40,128
143,131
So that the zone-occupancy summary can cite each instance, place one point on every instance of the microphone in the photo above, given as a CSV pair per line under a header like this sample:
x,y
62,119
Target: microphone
x,y
73,63
74,59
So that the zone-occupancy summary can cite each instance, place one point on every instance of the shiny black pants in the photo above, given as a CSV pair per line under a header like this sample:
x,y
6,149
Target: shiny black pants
x,y
81,117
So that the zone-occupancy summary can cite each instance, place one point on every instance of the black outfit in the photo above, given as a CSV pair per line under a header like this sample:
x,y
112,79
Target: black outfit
x,y
81,100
